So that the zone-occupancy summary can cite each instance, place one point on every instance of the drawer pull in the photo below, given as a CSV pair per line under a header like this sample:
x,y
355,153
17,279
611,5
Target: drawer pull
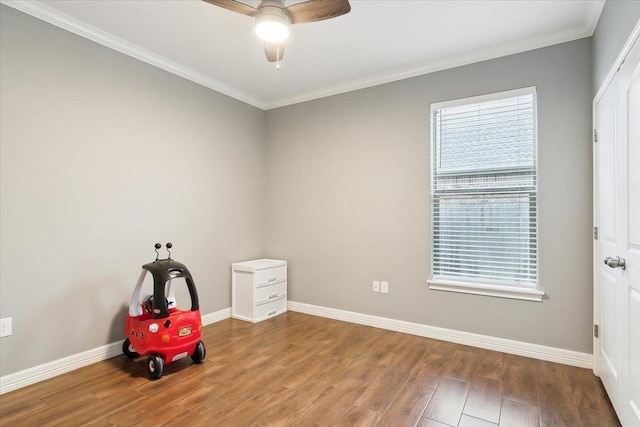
x,y
272,296
272,279
271,313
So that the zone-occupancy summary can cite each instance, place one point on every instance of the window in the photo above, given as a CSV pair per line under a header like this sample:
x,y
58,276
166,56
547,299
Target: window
x,y
484,195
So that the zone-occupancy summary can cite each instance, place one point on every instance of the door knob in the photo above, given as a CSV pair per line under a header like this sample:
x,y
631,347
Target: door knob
x,y
615,262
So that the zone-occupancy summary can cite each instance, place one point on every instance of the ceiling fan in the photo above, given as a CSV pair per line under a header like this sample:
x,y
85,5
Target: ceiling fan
x,y
273,18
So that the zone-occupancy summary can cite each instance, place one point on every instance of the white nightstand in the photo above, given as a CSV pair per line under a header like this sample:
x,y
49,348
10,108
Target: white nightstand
x,y
258,289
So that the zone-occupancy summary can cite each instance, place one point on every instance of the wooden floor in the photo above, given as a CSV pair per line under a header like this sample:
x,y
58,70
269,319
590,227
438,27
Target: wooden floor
x,y
302,370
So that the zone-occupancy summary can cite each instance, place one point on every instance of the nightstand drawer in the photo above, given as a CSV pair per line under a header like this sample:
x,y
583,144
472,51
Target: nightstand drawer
x,y
271,275
271,308
271,290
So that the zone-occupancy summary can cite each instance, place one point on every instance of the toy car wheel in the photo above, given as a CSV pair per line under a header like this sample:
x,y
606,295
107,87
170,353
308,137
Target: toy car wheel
x,y
128,350
155,366
199,353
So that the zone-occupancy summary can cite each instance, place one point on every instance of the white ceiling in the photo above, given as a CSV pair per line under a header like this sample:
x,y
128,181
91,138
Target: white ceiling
x,y
377,42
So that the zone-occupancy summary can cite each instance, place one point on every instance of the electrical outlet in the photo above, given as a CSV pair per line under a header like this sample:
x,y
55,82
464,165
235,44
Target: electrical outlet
x,y
376,286
384,287
5,327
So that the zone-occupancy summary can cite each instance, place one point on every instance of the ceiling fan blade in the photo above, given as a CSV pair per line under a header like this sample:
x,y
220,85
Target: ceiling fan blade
x,y
274,51
317,10
235,6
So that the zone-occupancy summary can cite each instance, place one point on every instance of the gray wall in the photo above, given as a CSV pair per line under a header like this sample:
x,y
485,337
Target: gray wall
x,y
617,21
348,198
102,156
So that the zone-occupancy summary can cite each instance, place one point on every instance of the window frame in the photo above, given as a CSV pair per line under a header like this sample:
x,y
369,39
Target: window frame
x,y
473,285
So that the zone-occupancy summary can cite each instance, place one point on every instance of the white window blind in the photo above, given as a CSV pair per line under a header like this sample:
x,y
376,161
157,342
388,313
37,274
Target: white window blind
x,y
484,190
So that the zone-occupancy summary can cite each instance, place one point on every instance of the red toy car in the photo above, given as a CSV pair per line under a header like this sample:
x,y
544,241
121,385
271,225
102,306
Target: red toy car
x,y
155,325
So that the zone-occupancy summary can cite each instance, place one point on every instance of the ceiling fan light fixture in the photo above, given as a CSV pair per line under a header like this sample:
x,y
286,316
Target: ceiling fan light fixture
x,y
272,24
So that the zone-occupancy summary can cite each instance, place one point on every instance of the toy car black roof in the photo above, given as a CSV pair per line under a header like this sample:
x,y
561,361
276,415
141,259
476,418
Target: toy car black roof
x,y
165,269
162,271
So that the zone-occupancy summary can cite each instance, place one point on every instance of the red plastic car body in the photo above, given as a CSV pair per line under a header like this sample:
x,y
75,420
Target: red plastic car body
x,y
156,327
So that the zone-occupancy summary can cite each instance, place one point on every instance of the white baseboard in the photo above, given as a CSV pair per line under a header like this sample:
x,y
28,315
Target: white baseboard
x,y
66,364
58,367
61,366
216,316
536,351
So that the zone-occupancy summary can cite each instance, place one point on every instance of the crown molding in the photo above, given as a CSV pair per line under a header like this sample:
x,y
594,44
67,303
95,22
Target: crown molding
x,y
54,17
444,64
593,15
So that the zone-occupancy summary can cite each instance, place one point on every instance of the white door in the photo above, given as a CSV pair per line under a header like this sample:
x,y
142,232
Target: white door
x,y
617,255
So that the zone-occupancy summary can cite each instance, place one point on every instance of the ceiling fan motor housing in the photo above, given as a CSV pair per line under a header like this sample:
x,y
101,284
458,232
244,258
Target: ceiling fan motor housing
x,y
272,21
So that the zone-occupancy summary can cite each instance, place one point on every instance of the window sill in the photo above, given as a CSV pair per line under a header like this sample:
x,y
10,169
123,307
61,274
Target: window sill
x,y
511,292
